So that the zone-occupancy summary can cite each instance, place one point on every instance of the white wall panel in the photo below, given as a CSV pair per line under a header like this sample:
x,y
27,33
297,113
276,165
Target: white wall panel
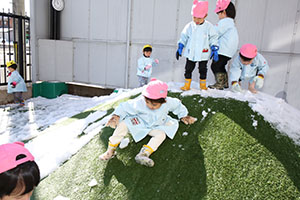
x,y
115,65
98,19
64,60
278,31
46,60
275,78
297,32
97,68
81,62
80,18
293,91
117,20
142,20
66,21
249,21
163,22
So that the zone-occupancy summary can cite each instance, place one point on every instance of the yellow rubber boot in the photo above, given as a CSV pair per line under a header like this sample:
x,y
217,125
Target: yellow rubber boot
x,y
187,84
203,84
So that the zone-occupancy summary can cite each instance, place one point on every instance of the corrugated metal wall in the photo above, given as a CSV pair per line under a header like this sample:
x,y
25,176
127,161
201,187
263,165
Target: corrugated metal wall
x,y
100,31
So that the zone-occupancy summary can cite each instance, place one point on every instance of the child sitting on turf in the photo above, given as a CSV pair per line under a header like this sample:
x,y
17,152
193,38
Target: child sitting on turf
x,y
145,63
147,115
15,83
19,174
249,66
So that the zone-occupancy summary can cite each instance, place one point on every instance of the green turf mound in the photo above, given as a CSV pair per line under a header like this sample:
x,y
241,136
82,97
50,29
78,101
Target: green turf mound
x,y
222,157
239,167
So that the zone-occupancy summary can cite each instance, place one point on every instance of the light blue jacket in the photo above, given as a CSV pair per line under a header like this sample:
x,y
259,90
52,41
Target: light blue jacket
x,y
197,40
240,71
20,87
142,63
140,120
228,37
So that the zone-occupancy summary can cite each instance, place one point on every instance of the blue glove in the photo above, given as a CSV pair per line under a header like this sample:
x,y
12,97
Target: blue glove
x,y
214,53
179,50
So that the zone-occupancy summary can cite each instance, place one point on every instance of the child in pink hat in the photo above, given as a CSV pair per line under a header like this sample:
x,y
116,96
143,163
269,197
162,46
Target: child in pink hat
x,y
19,174
249,65
199,40
228,42
147,115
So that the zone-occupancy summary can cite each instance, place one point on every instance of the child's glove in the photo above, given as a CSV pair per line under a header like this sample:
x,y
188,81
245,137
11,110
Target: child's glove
x,y
214,53
179,50
188,119
113,121
148,67
236,87
259,81
13,84
156,61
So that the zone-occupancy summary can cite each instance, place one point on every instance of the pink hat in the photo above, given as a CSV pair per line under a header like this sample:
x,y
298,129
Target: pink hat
x,y
221,5
248,50
155,89
9,153
199,9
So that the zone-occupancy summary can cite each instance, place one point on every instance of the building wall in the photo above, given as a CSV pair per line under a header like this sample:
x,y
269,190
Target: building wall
x,y
107,37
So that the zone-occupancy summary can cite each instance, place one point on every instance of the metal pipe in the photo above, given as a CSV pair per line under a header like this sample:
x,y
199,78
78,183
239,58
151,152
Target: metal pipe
x,y
20,45
128,44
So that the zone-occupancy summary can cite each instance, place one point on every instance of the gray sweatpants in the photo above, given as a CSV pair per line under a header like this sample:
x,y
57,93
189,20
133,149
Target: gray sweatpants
x,y
18,97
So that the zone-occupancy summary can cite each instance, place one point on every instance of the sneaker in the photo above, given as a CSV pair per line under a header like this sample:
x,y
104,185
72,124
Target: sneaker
x,y
144,160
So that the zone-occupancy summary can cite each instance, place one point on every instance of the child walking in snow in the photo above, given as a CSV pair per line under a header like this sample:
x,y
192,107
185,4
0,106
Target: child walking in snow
x,y
250,66
228,42
145,64
147,115
15,83
200,40
19,174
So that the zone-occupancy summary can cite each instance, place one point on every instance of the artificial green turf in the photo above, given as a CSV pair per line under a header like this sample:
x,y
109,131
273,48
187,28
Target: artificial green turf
x,y
222,157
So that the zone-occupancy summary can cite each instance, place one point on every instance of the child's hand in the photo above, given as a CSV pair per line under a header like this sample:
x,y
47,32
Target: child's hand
x,y
113,121
156,61
148,67
13,84
188,119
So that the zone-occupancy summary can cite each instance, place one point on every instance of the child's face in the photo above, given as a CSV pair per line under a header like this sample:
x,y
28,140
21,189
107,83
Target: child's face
x,y
246,62
222,14
18,196
198,20
10,69
147,53
152,105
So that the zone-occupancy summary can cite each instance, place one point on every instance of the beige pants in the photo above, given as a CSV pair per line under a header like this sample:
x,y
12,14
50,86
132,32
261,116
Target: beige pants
x,y
121,131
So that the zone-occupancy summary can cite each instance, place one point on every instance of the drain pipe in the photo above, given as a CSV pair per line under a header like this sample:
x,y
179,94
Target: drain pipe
x,y
128,44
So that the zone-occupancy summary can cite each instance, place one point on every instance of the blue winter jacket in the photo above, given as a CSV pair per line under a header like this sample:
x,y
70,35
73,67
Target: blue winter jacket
x,y
142,63
228,37
239,71
197,40
140,120
16,77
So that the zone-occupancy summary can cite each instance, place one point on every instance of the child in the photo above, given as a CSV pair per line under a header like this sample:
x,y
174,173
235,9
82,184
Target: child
x,y
200,40
15,84
19,174
147,115
145,63
228,42
249,65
